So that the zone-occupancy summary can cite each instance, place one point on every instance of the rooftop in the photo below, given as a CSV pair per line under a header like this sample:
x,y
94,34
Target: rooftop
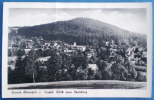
x,y
92,66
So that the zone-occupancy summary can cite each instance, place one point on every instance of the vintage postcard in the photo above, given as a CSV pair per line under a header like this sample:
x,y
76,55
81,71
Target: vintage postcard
x,y
77,50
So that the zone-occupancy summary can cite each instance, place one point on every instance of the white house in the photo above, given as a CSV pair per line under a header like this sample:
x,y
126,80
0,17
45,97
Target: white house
x,y
93,66
43,58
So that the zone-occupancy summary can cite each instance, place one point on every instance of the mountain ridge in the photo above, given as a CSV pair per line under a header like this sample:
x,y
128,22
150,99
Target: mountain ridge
x,y
77,28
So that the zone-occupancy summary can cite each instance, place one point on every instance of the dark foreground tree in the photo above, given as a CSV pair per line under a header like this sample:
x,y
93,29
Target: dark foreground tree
x,y
54,66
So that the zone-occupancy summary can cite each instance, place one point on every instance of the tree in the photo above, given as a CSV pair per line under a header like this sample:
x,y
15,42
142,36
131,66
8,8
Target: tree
x,y
36,41
23,45
54,66
98,75
119,72
72,72
9,52
132,73
19,71
11,76
80,73
21,52
119,59
141,76
91,74
39,52
66,61
105,70
42,75
80,60
104,52
30,64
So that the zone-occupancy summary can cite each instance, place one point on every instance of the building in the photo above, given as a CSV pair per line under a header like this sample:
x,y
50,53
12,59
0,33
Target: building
x,y
10,43
107,43
43,58
13,29
12,61
47,44
69,52
42,67
93,66
27,51
90,53
82,48
29,44
56,45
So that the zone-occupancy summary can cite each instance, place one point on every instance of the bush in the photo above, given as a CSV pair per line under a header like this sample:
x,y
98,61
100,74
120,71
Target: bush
x,y
142,76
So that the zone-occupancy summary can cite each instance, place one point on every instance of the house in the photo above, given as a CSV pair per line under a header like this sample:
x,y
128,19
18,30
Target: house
x,y
10,43
113,50
74,44
12,61
129,51
69,52
112,42
41,39
144,56
13,29
29,43
62,48
14,58
38,48
42,67
93,66
90,53
12,66
47,44
107,43
78,47
82,48
56,45
27,51
43,58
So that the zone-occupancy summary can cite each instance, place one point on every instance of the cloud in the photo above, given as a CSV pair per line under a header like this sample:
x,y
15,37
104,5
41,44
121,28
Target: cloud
x,y
129,19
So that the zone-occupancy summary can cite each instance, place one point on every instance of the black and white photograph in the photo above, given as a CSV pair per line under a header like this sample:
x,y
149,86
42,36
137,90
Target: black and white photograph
x,y
55,49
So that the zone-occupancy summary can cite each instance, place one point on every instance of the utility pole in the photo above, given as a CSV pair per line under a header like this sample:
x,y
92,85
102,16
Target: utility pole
x,y
33,78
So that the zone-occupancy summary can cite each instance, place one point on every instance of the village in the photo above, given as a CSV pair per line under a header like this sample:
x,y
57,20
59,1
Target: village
x,y
14,46
135,54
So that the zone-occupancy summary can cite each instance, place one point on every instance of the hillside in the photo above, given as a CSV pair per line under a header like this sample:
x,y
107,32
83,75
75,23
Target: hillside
x,y
81,30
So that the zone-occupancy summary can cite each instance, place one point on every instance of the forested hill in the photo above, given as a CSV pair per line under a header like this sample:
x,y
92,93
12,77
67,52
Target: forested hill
x,y
80,30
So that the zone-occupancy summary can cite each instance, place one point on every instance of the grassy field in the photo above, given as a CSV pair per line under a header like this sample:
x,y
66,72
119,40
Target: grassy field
x,y
88,84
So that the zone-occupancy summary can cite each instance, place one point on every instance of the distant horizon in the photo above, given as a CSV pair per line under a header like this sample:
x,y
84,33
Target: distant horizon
x,y
130,19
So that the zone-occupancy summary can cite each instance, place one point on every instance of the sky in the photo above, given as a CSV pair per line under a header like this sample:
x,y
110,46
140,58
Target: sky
x,y
131,19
